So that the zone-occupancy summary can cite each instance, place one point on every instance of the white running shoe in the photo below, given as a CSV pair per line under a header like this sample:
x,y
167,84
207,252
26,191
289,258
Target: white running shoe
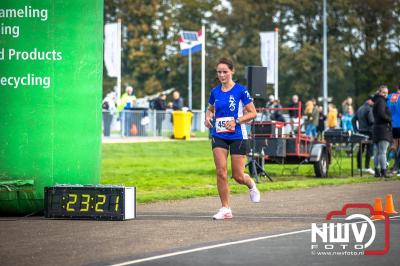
x,y
223,213
369,171
254,193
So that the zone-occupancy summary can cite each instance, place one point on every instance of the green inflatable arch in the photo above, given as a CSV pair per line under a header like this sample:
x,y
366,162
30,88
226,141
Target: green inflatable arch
x,y
50,87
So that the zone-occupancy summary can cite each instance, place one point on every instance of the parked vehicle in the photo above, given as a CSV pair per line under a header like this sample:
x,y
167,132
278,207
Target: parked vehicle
x,y
272,144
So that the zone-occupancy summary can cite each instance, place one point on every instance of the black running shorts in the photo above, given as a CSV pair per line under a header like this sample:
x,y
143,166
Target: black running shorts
x,y
238,146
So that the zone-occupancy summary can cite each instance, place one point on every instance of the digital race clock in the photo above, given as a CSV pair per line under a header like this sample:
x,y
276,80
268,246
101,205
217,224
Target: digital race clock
x,y
92,202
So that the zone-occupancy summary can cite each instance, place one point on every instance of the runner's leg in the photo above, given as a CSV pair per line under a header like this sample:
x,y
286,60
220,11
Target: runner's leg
x,y
220,160
238,163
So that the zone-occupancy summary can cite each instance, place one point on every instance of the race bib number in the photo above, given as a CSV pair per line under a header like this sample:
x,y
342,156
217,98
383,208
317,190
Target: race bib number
x,y
220,124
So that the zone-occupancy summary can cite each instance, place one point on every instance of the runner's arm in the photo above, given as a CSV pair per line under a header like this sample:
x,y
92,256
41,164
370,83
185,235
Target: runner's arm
x,y
209,116
249,115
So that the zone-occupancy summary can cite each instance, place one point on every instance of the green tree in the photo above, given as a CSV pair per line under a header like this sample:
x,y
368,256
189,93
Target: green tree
x,y
363,43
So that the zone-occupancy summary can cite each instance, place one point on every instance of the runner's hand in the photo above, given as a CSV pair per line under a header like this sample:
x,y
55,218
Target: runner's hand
x,y
230,125
208,123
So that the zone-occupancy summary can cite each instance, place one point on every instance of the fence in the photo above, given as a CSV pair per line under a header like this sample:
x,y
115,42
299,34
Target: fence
x,y
148,122
143,123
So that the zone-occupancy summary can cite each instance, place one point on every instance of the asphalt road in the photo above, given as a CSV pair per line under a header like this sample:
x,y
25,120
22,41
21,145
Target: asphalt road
x,y
294,249
177,226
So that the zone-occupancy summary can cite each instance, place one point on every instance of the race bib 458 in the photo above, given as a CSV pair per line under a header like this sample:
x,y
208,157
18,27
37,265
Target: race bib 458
x,y
220,124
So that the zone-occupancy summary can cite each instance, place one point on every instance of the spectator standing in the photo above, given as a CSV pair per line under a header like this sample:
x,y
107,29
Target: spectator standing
x,y
109,107
348,111
293,114
266,115
160,105
321,122
365,118
270,102
312,117
394,107
332,116
276,115
177,103
382,131
128,101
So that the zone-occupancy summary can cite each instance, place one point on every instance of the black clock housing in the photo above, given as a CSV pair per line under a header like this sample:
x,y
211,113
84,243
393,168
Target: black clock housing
x,y
90,202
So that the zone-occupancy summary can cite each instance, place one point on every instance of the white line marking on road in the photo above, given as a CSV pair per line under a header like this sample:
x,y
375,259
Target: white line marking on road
x,y
236,216
209,247
220,245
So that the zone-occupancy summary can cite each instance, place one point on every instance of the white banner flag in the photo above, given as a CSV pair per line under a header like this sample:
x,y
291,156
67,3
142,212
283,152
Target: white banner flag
x,y
268,54
112,49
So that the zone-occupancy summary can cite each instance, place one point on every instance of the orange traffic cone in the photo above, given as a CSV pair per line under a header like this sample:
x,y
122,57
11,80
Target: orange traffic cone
x,y
389,207
378,208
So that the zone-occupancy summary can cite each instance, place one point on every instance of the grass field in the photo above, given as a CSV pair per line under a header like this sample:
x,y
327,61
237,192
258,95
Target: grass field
x,y
185,169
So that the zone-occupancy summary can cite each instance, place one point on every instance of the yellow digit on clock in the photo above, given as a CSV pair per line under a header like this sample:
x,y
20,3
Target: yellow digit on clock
x,y
100,203
116,203
74,198
85,201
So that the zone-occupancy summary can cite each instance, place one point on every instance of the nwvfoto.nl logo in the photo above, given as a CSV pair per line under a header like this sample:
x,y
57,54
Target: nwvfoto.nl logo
x,y
353,236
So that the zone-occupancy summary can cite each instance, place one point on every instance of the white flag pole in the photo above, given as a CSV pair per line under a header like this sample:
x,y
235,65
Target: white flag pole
x,y
119,63
190,79
325,60
276,62
203,78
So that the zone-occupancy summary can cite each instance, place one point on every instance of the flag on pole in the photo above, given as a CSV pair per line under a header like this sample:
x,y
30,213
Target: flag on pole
x,y
112,49
268,54
190,40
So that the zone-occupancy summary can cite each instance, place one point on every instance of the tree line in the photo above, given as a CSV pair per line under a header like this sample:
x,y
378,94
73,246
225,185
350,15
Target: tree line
x,y
363,44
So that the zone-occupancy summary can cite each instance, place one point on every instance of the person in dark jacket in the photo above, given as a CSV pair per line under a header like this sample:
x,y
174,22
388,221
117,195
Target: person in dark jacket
x,y
276,114
321,123
365,119
160,105
177,103
382,131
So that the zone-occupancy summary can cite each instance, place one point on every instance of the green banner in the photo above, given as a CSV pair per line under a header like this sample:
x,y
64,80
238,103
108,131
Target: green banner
x,y
51,87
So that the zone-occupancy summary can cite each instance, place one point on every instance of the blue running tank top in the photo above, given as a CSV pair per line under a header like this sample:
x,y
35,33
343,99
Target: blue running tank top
x,y
229,105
